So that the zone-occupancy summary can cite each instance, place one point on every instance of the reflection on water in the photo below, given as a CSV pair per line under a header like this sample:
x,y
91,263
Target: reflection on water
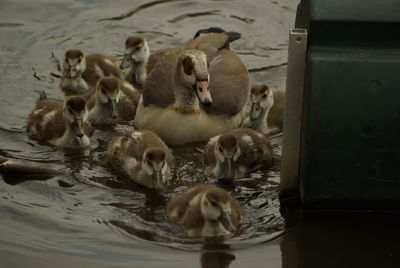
x,y
216,259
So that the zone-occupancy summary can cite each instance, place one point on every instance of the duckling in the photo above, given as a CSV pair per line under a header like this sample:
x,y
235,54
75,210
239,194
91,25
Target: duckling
x,y
112,98
266,109
102,104
143,156
137,56
81,72
232,154
60,123
205,211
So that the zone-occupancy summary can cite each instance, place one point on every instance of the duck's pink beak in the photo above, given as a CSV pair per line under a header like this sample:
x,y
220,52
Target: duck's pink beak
x,y
203,91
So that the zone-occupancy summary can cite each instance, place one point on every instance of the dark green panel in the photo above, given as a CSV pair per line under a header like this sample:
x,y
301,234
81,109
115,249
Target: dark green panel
x,y
350,149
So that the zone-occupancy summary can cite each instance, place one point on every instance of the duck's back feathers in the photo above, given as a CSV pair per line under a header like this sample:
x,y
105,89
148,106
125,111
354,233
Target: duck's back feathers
x,y
158,88
98,66
229,84
46,121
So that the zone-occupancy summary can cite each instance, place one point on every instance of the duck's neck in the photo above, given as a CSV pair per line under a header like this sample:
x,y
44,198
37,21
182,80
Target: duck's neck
x,y
68,137
186,101
213,228
138,71
261,122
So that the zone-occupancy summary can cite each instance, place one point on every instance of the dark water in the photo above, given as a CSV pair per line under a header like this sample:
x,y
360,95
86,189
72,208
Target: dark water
x,y
94,217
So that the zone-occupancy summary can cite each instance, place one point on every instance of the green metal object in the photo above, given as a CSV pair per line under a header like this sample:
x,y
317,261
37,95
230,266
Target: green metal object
x,y
350,134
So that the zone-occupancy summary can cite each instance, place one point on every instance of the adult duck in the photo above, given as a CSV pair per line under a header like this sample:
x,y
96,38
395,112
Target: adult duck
x,y
196,91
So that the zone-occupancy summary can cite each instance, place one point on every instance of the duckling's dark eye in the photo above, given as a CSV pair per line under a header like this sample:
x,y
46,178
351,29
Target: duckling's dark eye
x,y
79,60
213,203
264,96
220,149
104,91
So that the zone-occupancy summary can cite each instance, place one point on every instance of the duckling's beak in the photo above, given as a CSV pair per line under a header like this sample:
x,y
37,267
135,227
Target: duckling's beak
x,y
225,220
112,108
230,174
78,128
203,91
254,111
158,184
126,61
73,72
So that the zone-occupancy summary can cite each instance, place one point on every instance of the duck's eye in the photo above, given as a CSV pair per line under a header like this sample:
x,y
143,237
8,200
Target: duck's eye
x,y
264,96
220,149
79,60
213,203
103,91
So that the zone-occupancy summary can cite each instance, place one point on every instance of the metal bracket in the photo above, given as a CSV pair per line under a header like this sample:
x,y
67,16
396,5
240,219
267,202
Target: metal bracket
x,y
293,109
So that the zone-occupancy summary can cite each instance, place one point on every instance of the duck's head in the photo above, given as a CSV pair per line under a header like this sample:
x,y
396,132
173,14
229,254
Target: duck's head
x,y
261,98
155,164
194,73
136,50
215,206
74,63
76,114
227,151
108,94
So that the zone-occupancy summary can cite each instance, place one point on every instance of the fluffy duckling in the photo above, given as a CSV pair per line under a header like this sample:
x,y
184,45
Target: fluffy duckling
x,y
138,59
266,109
143,156
60,123
111,99
205,211
232,154
81,72
103,103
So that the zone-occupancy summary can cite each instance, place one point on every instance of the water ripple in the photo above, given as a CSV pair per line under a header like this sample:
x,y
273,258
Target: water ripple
x,y
139,8
192,15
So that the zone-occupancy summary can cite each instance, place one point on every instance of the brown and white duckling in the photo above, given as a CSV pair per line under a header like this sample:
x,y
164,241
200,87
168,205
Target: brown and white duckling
x,y
205,211
112,99
81,72
232,154
266,109
60,123
138,59
143,156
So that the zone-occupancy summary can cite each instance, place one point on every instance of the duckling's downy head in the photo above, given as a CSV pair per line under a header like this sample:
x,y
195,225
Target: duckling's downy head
x,y
155,165
74,63
215,206
261,99
194,73
108,94
76,114
136,51
227,151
